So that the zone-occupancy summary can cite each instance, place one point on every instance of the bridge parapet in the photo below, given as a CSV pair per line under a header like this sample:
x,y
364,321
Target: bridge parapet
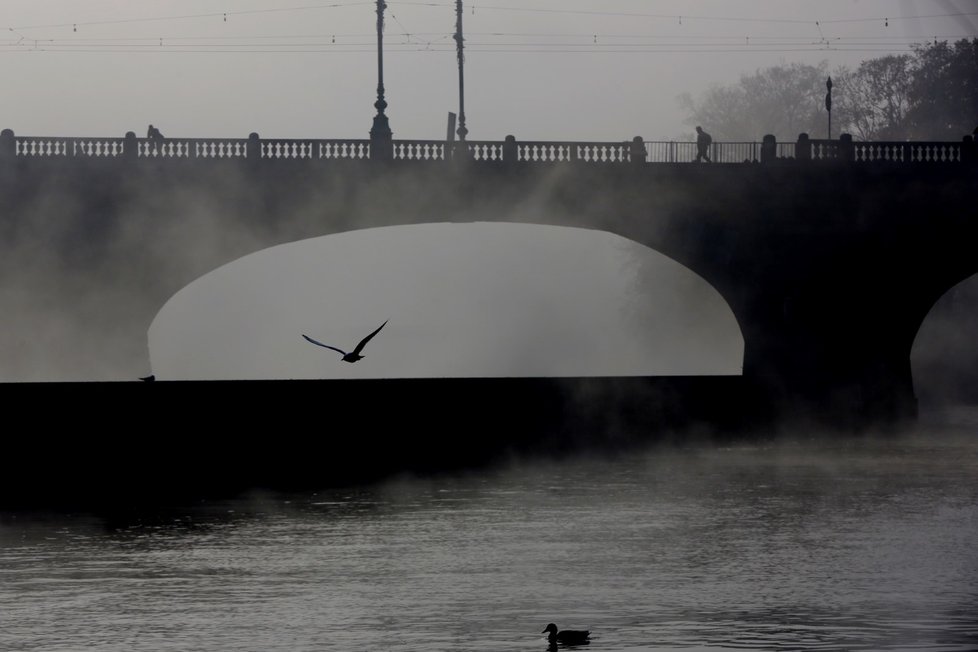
x,y
509,151
897,151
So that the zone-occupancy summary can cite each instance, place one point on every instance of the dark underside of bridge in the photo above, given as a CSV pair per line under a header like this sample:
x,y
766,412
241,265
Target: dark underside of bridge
x,y
132,444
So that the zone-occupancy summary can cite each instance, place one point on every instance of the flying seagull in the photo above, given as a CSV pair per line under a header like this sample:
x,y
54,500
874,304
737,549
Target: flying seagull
x,y
353,355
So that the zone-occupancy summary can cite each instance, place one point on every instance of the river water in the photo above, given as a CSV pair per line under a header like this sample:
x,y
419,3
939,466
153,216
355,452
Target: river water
x,y
800,543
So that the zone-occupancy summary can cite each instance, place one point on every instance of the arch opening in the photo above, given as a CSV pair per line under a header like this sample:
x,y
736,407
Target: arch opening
x,y
944,359
481,299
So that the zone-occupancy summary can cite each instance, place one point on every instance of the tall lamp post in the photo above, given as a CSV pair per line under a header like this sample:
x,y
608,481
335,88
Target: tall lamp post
x,y
459,41
381,144
828,104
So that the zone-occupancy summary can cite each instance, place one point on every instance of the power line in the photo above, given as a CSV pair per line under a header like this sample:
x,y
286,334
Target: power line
x,y
444,5
215,14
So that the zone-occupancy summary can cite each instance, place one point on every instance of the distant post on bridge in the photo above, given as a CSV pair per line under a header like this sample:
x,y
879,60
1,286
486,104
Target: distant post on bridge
x,y
828,104
381,138
461,148
8,145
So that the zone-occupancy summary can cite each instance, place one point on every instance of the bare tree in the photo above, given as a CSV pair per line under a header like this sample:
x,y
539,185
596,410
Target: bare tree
x,y
782,100
876,97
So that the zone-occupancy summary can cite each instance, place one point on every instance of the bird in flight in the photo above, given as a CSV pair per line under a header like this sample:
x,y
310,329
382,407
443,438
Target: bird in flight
x,y
353,355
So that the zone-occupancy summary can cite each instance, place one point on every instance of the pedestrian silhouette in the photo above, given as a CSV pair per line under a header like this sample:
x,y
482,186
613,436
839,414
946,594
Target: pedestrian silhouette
x,y
155,137
703,142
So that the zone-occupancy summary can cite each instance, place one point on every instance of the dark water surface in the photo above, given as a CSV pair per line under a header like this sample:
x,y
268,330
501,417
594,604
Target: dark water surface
x,y
862,544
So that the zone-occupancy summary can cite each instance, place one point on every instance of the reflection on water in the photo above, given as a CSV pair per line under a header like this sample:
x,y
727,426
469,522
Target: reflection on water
x,y
865,544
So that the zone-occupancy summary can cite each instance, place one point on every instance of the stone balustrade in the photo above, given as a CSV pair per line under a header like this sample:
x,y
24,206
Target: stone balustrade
x,y
635,150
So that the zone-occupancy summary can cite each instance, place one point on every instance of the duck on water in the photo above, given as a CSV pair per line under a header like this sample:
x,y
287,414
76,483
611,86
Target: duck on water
x,y
567,636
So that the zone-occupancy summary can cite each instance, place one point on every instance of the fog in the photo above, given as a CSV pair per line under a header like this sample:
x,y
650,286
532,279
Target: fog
x,y
475,299
542,70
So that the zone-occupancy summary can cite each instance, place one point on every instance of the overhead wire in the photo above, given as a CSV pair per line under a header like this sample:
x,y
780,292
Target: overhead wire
x,y
308,43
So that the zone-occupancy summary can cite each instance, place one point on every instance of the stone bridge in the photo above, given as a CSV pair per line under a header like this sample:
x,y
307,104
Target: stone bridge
x,y
829,253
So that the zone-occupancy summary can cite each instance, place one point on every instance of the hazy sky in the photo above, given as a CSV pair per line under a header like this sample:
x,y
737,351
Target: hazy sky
x,y
539,69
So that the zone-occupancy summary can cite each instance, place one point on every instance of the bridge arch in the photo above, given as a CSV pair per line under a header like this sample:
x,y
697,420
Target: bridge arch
x,y
943,359
463,299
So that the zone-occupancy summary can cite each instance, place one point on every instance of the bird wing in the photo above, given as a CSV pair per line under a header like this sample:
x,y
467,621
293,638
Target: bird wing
x,y
323,345
364,341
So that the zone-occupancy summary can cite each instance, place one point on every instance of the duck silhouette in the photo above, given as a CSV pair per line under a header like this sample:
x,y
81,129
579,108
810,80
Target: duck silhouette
x,y
567,636
353,355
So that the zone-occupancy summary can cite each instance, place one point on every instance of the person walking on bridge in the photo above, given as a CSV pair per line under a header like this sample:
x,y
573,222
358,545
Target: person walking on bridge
x,y
703,142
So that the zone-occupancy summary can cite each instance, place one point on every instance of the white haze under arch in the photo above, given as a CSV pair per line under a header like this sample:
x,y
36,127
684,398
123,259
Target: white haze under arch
x,y
474,299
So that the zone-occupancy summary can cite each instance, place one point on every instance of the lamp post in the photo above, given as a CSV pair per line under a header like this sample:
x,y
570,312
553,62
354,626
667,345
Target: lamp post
x,y
381,145
828,104
459,40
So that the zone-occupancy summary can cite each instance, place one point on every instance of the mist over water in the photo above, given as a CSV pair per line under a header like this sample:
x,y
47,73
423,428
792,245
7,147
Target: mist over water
x,y
806,543
479,299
